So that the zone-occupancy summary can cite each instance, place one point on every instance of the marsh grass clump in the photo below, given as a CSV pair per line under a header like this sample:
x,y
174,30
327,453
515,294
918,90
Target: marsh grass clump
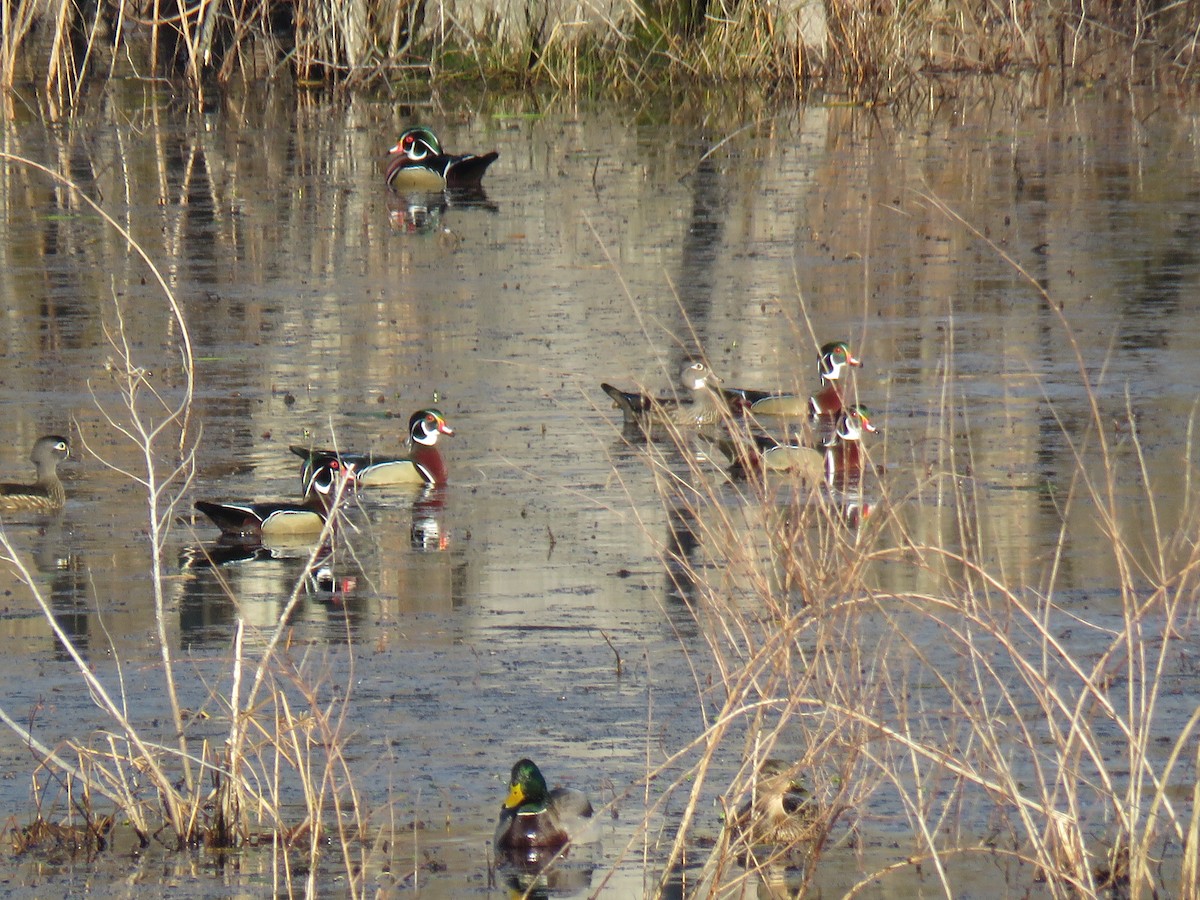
x,y
260,756
929,695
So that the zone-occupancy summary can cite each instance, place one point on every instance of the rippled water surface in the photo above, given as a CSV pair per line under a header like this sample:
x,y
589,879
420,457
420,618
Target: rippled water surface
x,y
485,622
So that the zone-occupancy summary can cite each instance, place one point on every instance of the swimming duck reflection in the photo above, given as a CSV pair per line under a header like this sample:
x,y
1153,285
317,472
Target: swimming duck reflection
x,y
560,879
69,581
427,532
252,581
422,212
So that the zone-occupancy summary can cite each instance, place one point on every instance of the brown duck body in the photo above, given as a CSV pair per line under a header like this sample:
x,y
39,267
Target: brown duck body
x,y
838,462
46,492
645,412
754,453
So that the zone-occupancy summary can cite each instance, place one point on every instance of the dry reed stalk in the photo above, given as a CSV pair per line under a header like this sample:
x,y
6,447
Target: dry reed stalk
x,y
248,782
1026,725
16,20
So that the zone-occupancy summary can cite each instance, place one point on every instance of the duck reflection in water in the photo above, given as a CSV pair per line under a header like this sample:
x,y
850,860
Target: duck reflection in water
x,y
683,579
427,533
422,212
233,579
559,879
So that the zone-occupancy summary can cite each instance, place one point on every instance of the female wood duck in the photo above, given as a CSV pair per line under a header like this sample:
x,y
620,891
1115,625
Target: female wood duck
x,y
780,812
418,163
835,357
644,411
760,452
46,493
536,822
283,519
421,462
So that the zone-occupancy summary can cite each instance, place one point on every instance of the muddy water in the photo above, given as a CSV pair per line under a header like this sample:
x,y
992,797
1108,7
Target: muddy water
x,y
474,626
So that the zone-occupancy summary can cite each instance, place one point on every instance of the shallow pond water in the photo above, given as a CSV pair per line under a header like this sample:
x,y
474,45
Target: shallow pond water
x,y
485,623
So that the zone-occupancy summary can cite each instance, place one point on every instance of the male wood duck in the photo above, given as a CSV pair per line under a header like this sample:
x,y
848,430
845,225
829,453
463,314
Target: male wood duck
x,y
845,457
644,411
535,822
418,163
780,811
421,462
426,532
257,520
46,493
832,362
838,462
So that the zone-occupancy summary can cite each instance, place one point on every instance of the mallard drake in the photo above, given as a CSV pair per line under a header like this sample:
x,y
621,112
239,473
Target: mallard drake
x,y
780,811
46,493
421,462
832,361
536,822
418,163
258,520
644,411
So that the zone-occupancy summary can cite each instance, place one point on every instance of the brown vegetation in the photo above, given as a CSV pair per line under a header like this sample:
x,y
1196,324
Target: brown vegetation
x,y
961,704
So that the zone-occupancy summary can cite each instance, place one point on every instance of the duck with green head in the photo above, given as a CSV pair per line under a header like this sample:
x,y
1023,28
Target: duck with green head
x,y
834,359
536,822
417,162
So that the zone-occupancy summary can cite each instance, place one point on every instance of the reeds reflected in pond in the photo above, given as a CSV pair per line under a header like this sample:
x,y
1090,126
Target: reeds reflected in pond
x,y
993,661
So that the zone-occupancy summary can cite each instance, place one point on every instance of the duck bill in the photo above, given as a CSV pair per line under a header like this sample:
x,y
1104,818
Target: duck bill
x,y
853,361
515,797
443,428
396,149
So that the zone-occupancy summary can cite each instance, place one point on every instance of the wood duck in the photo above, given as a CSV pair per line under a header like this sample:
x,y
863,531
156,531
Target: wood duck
x,y
47,492
536,822
282,519
418,163
845,457
426,532
838,462
832,362
780,811
760,452
421,462
644,411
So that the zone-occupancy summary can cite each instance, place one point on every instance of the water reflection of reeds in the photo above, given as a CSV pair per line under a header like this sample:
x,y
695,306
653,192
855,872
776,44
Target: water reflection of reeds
x,y
311,313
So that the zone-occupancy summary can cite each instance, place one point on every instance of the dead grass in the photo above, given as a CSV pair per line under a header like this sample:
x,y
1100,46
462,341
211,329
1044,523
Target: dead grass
x,y
279,774
961,714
